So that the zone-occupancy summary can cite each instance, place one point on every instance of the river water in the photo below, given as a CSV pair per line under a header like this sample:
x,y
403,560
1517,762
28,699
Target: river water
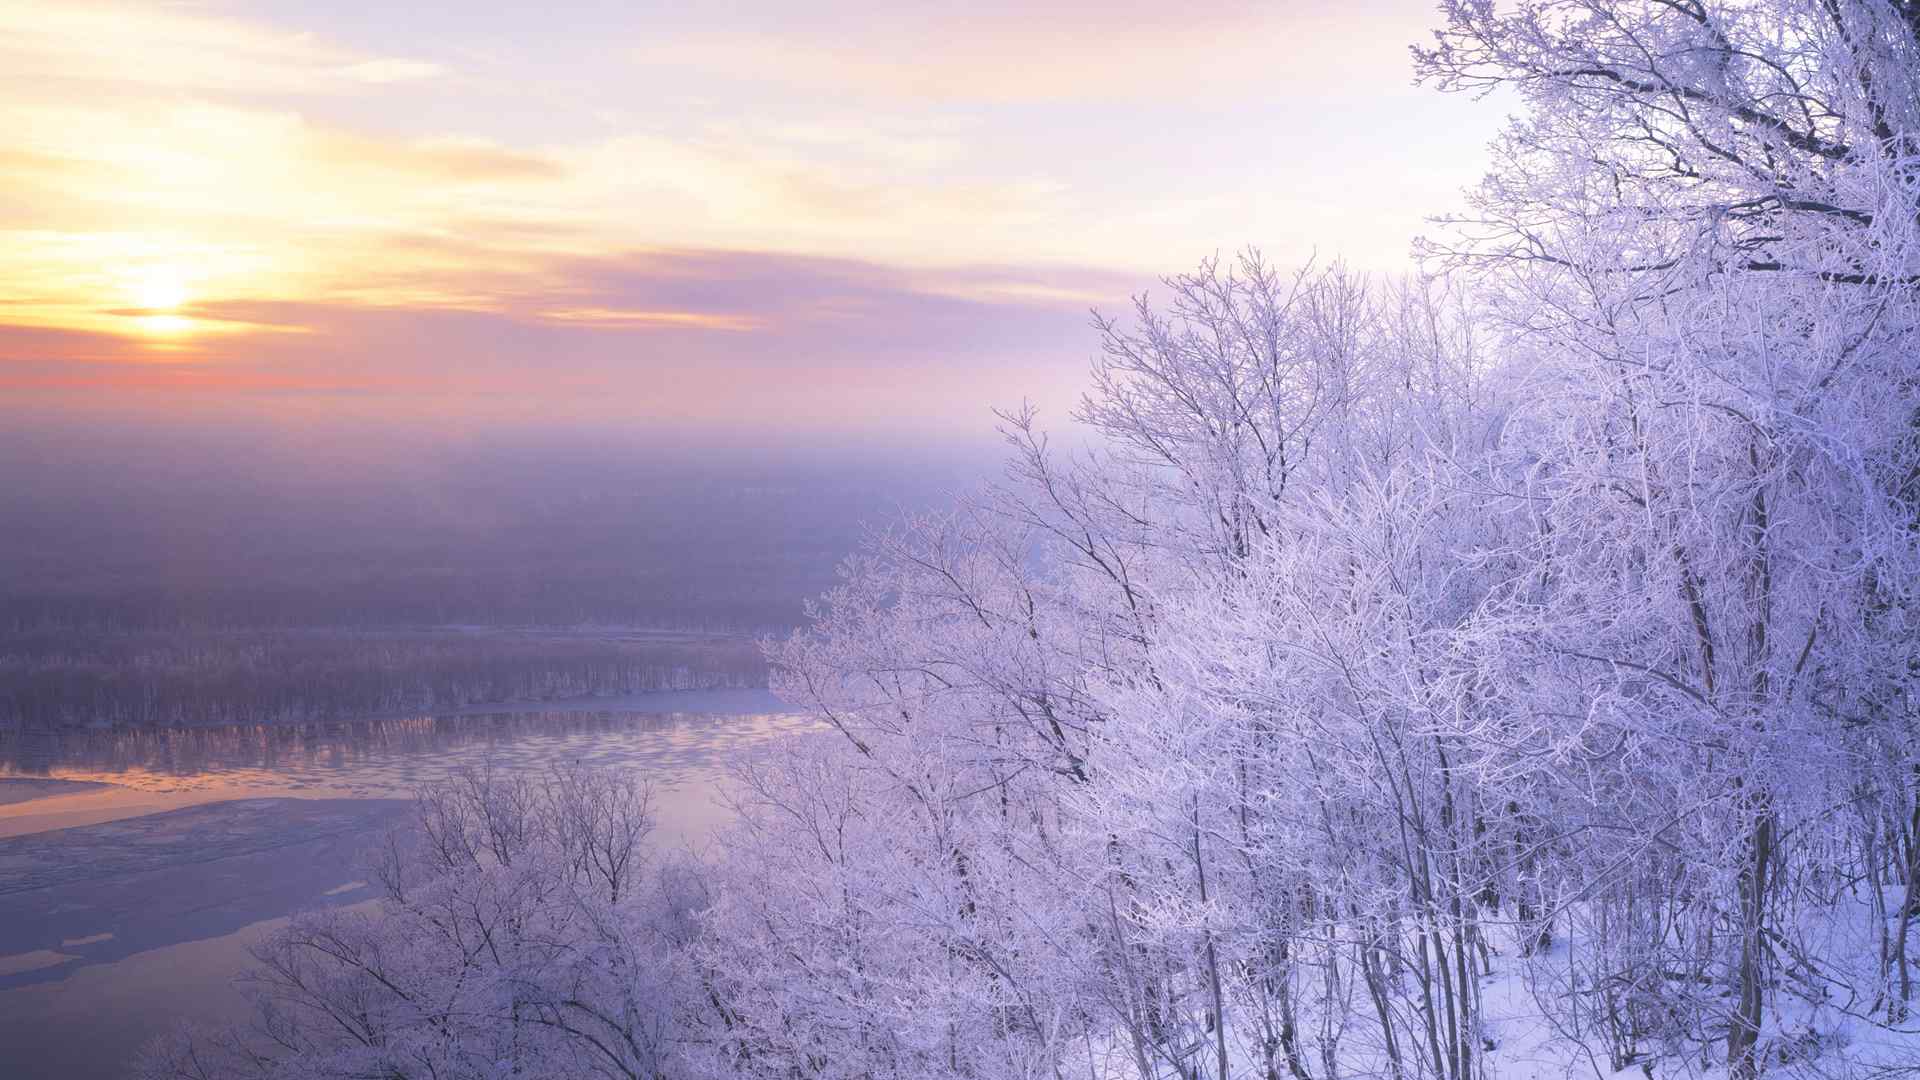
x,y
136,865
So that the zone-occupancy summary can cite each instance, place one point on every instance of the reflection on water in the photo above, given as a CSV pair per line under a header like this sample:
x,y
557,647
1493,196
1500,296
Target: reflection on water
x,y
95,960
156,769
382,757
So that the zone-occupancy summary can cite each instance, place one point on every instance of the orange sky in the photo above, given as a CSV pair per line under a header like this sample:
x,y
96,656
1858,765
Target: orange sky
x,y
782,215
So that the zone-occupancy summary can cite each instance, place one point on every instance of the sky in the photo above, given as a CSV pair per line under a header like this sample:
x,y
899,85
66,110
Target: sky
x,y
794,218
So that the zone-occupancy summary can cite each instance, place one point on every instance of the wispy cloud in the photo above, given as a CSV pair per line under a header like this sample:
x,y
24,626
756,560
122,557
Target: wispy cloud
x,y
1104,53
714,338
57,47
580,203
628,319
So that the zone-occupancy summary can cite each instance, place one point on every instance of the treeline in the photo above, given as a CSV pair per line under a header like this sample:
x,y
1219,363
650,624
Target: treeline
x,y
51,681
348,750
749,597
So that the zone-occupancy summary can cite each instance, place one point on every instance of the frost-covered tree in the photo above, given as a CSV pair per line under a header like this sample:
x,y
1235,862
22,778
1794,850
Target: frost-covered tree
x,y
1702,232
523,930
1369,644
1014,821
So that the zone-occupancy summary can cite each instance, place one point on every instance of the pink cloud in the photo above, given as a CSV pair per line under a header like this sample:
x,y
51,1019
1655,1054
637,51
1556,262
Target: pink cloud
x,y
701,338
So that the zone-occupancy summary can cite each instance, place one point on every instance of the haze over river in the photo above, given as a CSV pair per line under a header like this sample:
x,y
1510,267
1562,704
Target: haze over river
x,y
136,865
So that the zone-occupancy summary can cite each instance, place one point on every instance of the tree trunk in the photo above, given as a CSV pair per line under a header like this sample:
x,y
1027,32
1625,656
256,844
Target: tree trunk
x,y
1743,1035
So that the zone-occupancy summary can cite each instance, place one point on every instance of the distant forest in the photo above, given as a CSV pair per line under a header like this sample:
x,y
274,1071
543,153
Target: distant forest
x,y
52,681
159,583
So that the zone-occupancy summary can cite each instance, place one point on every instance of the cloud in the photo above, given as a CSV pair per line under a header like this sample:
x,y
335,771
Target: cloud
x,y
628,319
1061,52
445,160
718,339
392,70
47,49
856,208
238,183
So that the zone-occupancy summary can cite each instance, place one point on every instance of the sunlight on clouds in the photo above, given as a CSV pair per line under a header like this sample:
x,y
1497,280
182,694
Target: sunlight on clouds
x,y
174,176
46,47
319,213
1051,53
164,326
392,71
159,288
614,319
141,285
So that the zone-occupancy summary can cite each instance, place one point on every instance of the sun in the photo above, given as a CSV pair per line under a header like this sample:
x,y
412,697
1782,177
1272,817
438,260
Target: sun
x,y
159,289
156,294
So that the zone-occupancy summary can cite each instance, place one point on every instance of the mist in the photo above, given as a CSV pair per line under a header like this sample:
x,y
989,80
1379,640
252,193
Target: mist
x,y
151,525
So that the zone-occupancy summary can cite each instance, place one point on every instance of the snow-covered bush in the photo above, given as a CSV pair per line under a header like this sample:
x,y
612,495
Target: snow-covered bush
x,y
524,930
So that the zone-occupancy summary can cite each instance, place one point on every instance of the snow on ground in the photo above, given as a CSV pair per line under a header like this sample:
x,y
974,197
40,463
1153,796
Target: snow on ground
x,y
1833,1039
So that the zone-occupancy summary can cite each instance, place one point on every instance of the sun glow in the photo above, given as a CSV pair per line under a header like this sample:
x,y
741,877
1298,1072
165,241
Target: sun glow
x,y
158,293
163,325
160,289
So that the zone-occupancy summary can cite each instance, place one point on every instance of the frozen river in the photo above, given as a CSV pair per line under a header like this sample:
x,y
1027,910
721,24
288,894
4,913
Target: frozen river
x,y
135,866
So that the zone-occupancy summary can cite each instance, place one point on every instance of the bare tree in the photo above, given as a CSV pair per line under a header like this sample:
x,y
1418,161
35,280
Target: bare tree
x,y
522,931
